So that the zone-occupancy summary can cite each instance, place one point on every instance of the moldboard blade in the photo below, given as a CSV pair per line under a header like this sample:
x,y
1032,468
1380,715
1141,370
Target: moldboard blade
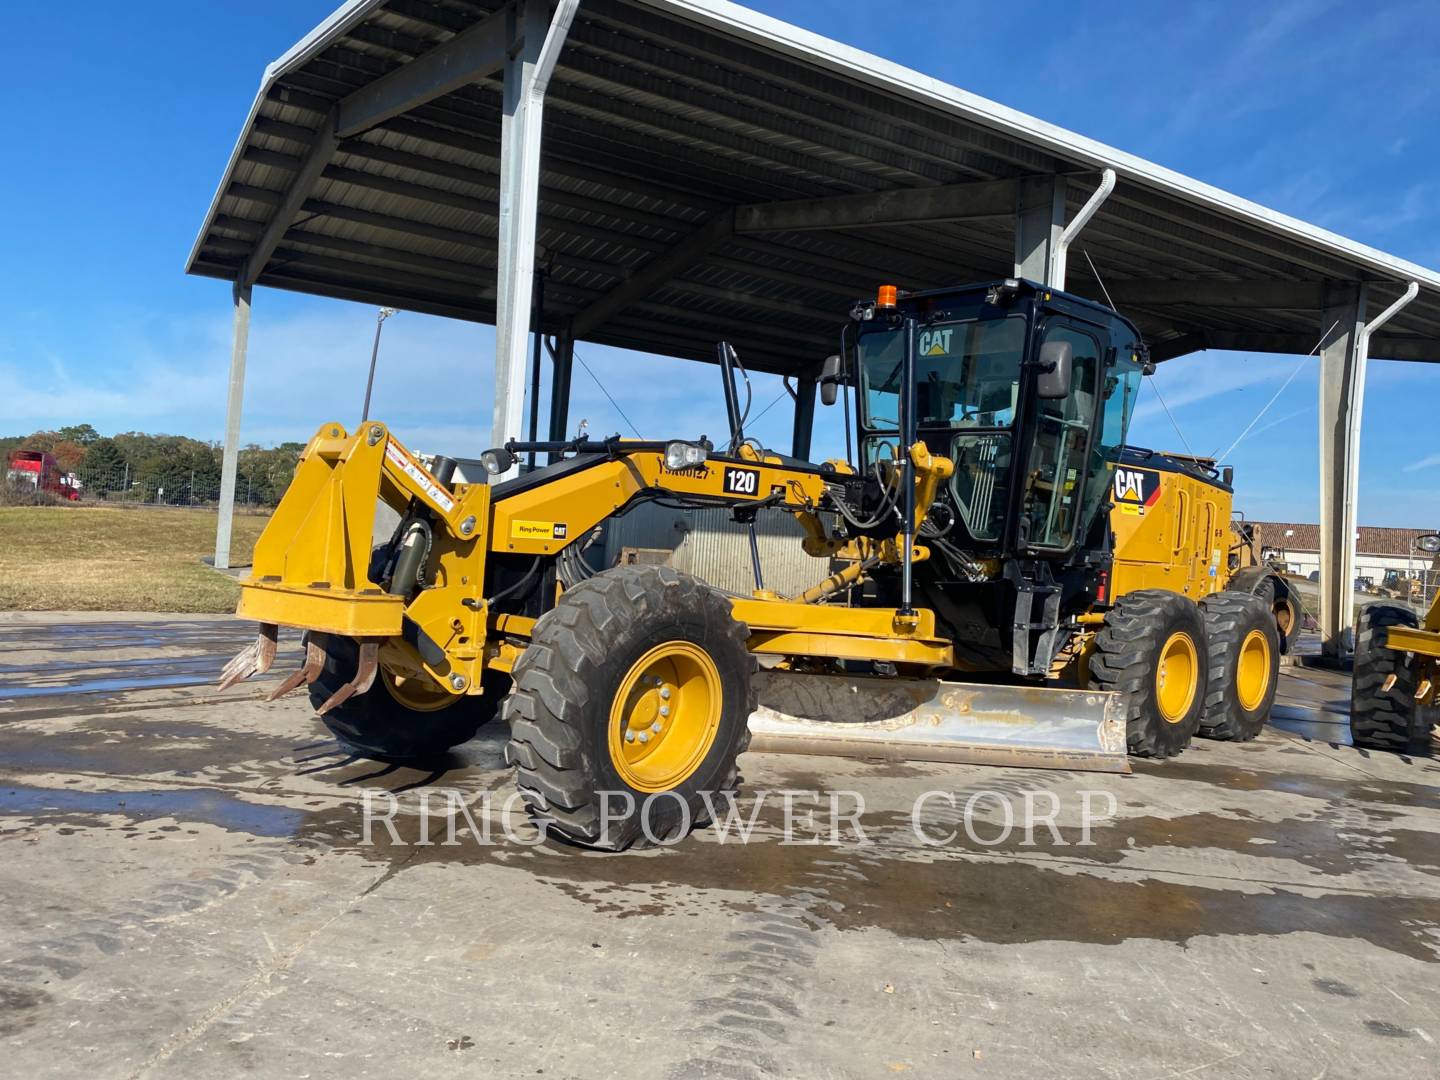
x,y
931,720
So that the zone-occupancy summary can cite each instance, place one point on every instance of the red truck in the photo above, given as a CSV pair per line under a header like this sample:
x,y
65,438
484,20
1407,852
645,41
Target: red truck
x,y
42,472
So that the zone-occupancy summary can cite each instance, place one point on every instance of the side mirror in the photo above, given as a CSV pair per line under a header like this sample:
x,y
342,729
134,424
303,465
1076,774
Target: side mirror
x,y
1056,363
1227,476
830,380
1429,543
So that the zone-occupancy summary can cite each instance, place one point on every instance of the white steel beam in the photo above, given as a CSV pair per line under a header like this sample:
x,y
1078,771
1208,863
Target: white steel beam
x,y
1343,361
527,77
230,460
1039,223
1342,388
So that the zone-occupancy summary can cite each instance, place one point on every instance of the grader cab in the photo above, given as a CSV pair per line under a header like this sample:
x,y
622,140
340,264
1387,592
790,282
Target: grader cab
x,y
991,522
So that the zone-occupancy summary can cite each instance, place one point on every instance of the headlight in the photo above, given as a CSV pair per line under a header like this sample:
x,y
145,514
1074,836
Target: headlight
x,y
684,455
498,461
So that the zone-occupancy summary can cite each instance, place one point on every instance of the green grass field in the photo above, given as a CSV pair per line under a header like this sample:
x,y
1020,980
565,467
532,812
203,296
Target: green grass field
x,y
76,558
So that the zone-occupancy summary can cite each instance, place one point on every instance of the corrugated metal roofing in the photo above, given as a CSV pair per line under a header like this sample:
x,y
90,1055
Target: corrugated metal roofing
x,y
665,113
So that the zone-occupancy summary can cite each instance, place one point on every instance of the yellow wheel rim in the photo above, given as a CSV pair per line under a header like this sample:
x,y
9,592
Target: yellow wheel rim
x,y
665,716
417,695
1176,677
1252,675
1284,617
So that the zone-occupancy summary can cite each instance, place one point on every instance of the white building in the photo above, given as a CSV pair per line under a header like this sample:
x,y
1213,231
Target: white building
x,y
1377,551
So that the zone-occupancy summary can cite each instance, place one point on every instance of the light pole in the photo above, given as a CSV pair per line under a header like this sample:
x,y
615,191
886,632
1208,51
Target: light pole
x,y
381,316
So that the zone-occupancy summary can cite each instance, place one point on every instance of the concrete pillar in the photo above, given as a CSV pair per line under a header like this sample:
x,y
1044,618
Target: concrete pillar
x,y
564,360
230,461
1039,222
804,419
520,128
1342,397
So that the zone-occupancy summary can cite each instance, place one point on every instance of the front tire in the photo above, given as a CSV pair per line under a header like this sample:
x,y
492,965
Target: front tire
x,y
1244,666
1152,650
631,705
1384,719
380,725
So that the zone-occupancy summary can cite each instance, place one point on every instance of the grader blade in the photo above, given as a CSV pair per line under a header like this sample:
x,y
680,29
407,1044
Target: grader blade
x,y
254,659
931,720
364,678
309,672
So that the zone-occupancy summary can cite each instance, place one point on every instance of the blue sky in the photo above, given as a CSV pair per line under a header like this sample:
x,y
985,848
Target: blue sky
x,y
115,138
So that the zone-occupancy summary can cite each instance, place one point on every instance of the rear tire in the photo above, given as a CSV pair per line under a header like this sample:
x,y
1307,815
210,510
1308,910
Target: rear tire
x,y
1152,650
377,725
631,705
1282,601
1244,665
1384,719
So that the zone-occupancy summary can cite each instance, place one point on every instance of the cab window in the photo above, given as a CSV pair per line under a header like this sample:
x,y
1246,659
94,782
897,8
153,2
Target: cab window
x,y
1055,479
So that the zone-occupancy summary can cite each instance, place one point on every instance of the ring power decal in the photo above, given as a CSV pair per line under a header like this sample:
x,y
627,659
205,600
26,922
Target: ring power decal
x,y
538,530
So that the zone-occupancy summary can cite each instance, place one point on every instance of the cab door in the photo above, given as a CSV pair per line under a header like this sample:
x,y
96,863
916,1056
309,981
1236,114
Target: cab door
x,y
1058,463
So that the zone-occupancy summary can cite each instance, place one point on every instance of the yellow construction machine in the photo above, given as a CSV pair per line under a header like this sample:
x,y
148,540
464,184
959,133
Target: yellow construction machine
x,y
991,526
1395,692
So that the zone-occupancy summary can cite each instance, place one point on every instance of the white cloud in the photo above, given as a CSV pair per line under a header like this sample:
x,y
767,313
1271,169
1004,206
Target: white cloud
x,y
1431,462
306,367
1212,396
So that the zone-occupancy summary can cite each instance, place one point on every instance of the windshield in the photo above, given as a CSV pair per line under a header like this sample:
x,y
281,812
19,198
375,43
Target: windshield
x,y
967,374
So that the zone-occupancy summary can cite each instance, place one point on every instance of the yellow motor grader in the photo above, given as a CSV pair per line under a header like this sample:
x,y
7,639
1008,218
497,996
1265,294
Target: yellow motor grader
x,y
1395,692
992,526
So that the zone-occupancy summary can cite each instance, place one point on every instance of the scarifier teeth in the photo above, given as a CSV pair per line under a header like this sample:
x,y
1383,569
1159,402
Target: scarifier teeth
x,y
364,678
265,647
314,662
241,666
254,659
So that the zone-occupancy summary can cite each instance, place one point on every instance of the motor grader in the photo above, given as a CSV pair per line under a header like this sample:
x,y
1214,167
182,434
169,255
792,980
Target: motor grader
x,y
991,526
1395,690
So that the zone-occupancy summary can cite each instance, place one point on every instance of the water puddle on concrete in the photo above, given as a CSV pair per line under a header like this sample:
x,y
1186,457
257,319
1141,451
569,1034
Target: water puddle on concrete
x,y
1396,793
996,901
108,685
105,661
183,805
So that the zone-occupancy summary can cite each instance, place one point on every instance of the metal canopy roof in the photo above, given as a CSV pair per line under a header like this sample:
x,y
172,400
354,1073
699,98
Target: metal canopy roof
x,y
693,153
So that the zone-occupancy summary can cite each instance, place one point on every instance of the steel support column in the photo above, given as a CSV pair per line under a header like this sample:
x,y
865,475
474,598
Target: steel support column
x,y
527,76
563,360
804,418
1039,223
229,463
1342,389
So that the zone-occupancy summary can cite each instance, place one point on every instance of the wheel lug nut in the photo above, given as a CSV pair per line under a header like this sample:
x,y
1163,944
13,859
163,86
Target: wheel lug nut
x,y
665,693
656,727
629,736
664,710
644,736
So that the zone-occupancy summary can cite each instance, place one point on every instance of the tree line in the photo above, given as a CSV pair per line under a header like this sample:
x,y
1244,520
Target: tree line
x,y
172,469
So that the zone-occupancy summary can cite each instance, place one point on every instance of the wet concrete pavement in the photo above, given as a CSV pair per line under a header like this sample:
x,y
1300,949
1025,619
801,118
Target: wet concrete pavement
x,y
188,893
